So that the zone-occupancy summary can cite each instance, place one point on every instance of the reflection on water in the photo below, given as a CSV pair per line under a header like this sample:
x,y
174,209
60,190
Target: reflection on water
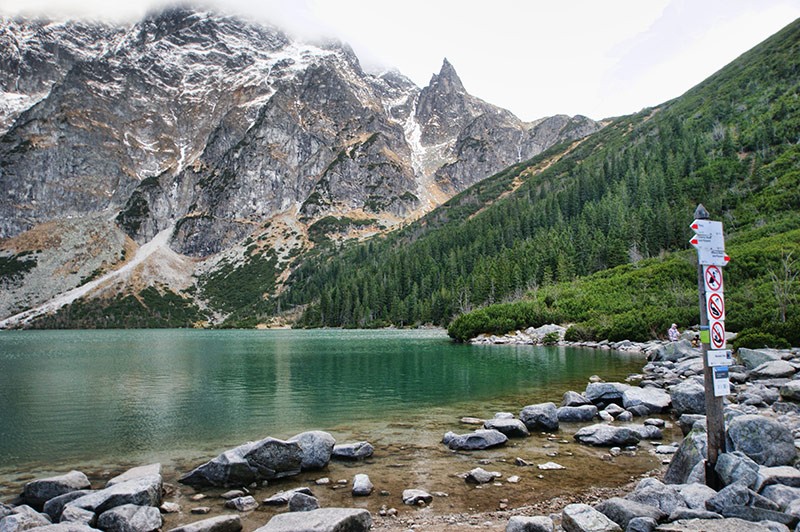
x,y
70,396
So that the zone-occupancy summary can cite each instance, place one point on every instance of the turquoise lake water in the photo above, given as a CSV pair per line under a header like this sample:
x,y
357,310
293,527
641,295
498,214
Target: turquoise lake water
x,y
107,396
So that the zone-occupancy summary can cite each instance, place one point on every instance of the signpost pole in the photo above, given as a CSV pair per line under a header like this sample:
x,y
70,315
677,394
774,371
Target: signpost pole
x,y
715,424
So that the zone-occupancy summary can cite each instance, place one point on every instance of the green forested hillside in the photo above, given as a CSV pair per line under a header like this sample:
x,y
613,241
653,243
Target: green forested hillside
x,y
618,203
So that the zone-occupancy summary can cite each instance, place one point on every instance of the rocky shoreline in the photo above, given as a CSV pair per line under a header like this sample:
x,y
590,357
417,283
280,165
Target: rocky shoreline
x,y
762,482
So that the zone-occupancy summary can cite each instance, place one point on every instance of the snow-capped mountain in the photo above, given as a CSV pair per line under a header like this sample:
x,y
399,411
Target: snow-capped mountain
x,y
211,127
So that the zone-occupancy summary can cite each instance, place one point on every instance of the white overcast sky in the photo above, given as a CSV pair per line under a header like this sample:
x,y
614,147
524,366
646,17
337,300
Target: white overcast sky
x,y
537,58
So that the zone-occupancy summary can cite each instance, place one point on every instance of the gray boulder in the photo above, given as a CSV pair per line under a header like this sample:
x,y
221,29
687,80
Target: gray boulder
x,y
687,421
539,523
653,492
481,476
654,400
5,510
692,451
641,524
136,472
576,414
221,523
688,397
302,502
737,495
754,514
736,467
414,497
477,440
692,513
230,468
542,416
584,518
143,491
320,520
765,440
776,369
55,506
362,486
246,503
23,517
64,527
614,409
791,391
781,495
574,399
130,518
353,451
282,497
621,511
786,475
646,432
717,525
38,492
317,447
606,392
752,358
607,436
513,428
673,351
73,514
271,458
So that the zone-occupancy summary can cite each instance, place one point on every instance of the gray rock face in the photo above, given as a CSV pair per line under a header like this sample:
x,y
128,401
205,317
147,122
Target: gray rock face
x,y
317,447
752,358
267,459
543,416
621,511
142,491
539,523
576,414
477,440
413,497
353,451
38,492
764,440
362,486
737,467
130,518
584,518
776,369
654,400
688,397
320,520
692,451
606,392
513,428
221,523
607,436
302,502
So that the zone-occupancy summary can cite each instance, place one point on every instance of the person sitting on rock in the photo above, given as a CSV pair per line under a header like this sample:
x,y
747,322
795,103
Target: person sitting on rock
x,y
673,333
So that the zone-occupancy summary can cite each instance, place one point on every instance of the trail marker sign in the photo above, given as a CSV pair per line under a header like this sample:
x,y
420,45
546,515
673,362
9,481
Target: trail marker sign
x,y
709,242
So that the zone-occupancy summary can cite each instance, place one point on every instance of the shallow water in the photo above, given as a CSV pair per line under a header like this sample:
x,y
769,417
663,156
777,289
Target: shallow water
x,y
101,401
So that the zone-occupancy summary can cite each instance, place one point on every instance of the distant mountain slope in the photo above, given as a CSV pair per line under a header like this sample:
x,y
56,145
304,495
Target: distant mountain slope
x,y
617,197
228,133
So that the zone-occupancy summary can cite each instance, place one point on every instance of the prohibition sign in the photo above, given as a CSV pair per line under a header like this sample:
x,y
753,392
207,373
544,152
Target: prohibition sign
x,y
713,278
716,307
717,335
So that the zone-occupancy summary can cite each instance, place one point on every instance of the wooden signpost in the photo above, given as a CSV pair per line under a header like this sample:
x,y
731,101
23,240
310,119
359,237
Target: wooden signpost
x,y
710,244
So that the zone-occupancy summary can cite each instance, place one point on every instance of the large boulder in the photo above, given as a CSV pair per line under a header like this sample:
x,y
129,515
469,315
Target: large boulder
x,y
477,440
38,492
784,475
621,511
221,523
542,416
653,492
576,414
752,358
736,467
692,451
695,495
513,428
73,514
272,458
607,436
584,518
55,506
282,497
142,491
791,391
353,451
776,369
321,520
716,525
654,400
688,397
673,351
574,399
781,495
136,472
538,523
23,517
765,440
414,497
317,447
362,486
606,392
130,518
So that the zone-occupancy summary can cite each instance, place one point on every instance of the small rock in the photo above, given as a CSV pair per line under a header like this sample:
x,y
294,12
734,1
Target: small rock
x,y
513,479
551,466
362,486
200,510
584,518
170,508
242,504
282,497
232,494
413,497
302,502
481,476
353,451
322,481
